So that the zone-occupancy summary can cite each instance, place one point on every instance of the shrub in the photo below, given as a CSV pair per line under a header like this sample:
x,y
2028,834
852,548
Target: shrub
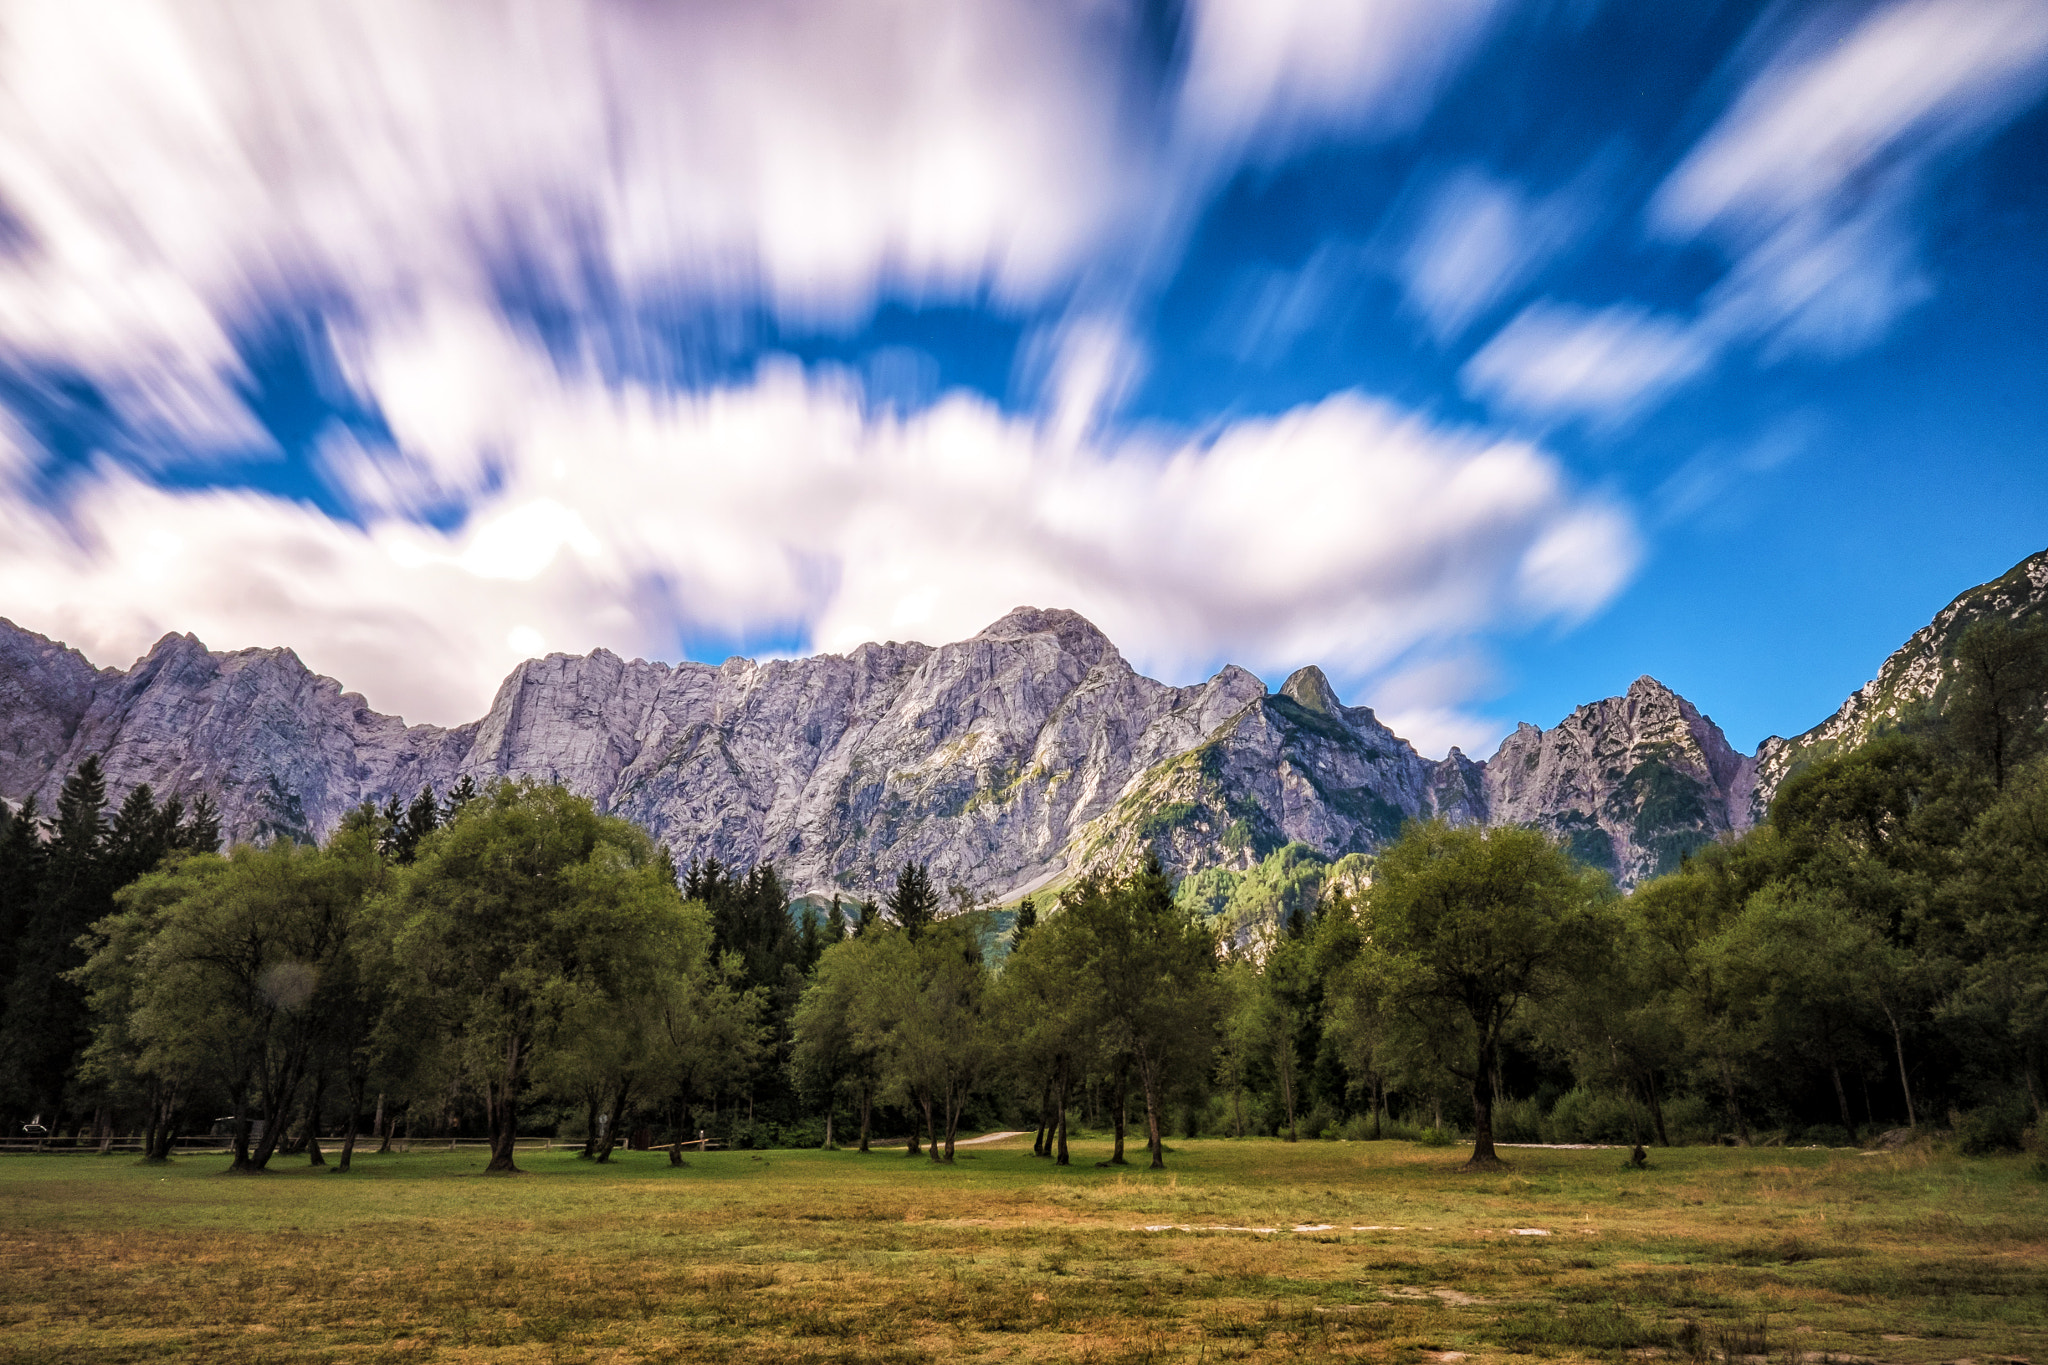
x,y
1582,1115
1690,1119
1999,1126
1517,1121
1321,1121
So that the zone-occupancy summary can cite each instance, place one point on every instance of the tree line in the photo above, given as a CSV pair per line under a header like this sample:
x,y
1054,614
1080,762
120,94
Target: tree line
x,y
1873,955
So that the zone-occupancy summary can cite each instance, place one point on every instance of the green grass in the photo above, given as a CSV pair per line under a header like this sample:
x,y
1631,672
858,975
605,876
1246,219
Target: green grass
x,y
1711,1253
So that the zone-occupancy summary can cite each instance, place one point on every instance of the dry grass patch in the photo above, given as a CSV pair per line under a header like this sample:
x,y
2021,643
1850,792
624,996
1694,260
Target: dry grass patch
x,y
1907,1259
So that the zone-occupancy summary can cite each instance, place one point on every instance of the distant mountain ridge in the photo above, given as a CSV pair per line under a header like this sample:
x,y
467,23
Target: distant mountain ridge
x,y
1010,761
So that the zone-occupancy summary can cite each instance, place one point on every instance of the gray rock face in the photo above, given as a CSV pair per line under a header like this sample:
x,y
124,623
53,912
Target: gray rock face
x,y
1022,756
45,689
1632,783
1298,766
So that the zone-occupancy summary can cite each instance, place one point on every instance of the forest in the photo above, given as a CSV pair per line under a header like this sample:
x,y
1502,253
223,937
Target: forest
x,y
1872,956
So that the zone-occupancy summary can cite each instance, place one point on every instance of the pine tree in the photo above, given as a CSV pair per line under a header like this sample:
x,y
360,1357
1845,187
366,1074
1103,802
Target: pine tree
x,y
45,1025
914,904
201,831
462,794
421,818
1027,920
835,924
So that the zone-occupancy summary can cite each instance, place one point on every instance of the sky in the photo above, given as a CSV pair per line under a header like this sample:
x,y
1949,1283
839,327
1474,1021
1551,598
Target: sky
x,y
1485,354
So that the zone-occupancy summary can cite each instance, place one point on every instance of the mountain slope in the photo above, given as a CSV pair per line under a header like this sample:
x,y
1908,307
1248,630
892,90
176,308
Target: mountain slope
x,y
1916,674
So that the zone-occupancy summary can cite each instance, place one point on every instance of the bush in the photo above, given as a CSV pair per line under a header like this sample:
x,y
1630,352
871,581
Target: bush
x,y
1582,1115
1217,1118
1517,1121
1691,1119
1322,1121
1358,1128
1999,1126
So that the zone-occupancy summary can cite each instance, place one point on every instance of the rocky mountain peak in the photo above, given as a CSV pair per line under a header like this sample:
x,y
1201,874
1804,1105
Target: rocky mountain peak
x,y
1076,634
1308,687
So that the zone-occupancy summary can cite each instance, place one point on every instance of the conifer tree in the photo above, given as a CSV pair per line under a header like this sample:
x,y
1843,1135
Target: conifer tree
x,y
914,905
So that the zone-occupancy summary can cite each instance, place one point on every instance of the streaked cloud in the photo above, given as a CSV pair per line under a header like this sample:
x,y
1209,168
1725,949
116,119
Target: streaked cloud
x,y
1269,75
176,169
1559,362
1480,238
1345,531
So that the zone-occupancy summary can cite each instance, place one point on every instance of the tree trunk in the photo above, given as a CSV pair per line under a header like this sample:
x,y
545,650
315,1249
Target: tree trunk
x,y
505,1109
1899,1051
1482,1104
1060,1095
1120,1111
240,1162
1155,1141
593,1104
867,1106
1656,1108
1735,1114
828,1126
1040,1143
614,1120
1379,1105
103,1129
1284,1056
682,1126
956,1099
1841,1095
163,1102
355,1112
314,1156
931,1126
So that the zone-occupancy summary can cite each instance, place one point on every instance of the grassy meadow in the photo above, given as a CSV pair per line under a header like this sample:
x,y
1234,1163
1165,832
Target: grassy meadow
x,y
1380,1251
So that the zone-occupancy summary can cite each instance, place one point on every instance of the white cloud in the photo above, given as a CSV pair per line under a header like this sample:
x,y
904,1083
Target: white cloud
x,y
1809,180
177,167
1270,75
1345,532
1480,238
1558,361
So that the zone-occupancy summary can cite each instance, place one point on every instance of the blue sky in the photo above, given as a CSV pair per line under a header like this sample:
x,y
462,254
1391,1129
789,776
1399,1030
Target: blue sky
x,y
1486,354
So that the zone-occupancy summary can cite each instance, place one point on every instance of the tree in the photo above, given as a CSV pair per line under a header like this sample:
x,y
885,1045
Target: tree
x,y
830,1055
226,966
2002,992
1470,925
1155,967
615,1051
1044,1007
925,1017
1993,716
515,916
45,1026
914,904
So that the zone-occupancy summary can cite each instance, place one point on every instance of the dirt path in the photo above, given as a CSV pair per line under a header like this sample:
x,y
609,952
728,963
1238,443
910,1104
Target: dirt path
x,y
989,1137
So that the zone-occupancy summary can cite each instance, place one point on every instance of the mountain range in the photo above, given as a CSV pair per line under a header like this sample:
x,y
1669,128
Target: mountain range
x,y
1010,761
